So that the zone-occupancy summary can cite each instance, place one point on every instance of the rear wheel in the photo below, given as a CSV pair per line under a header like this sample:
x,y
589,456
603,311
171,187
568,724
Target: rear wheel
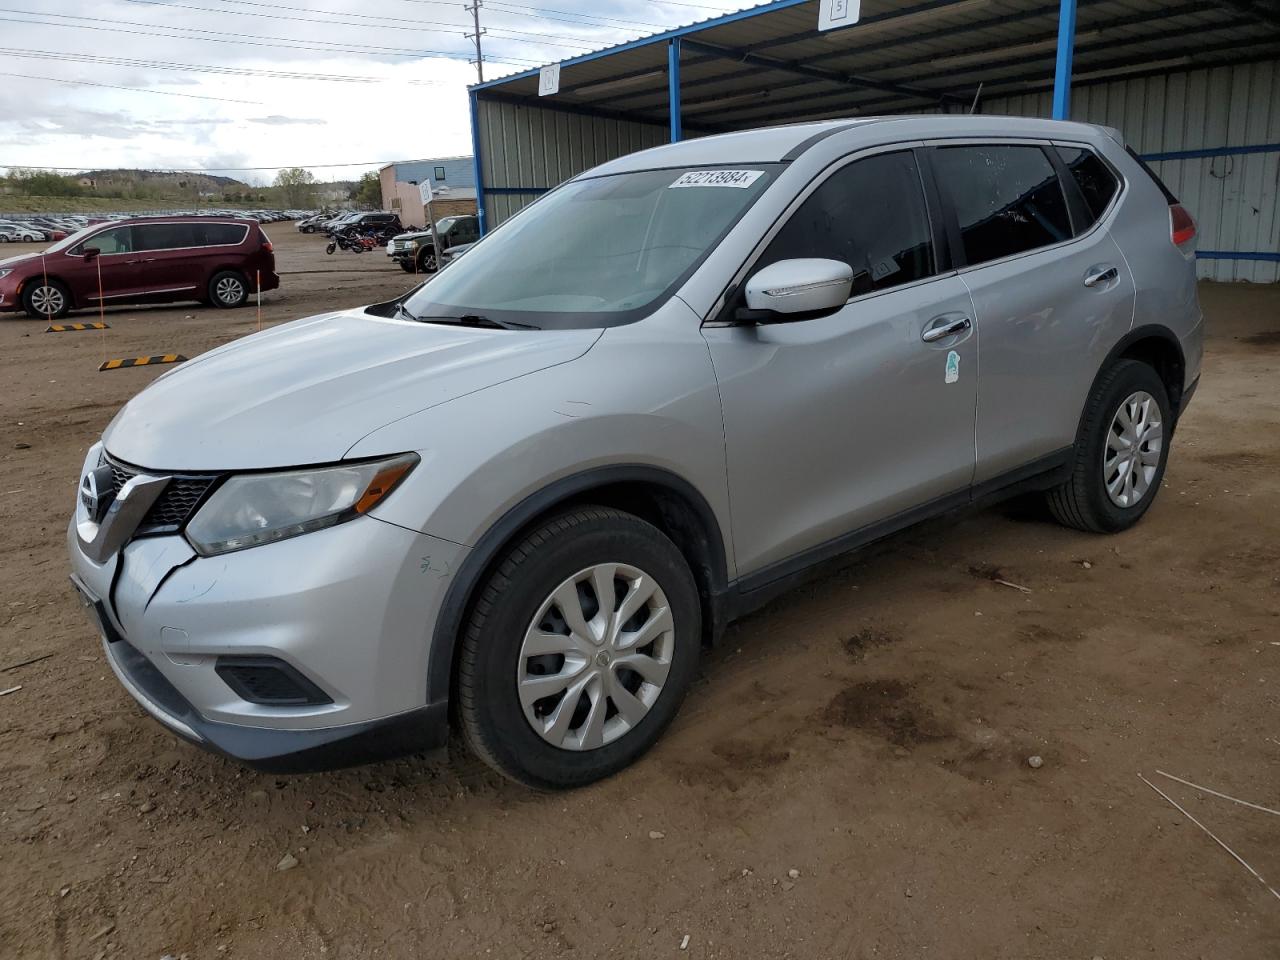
x,y
228,289
46,300
1120,454
579,649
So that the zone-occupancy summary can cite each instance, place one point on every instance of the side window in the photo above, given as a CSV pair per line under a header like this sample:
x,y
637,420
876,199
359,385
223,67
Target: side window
x,y
219,234
870,215
163,236
1007,198
1094,178
117,240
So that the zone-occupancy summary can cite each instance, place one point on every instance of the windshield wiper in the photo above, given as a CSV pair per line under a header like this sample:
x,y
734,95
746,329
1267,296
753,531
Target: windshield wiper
x,y
475,320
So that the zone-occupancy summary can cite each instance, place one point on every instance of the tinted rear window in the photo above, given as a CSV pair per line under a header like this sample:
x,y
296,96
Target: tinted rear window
x,y
1007,198
1097,183
182,236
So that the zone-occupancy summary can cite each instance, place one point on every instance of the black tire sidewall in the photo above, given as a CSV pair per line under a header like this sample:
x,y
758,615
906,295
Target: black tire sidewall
x,y
426,261
1129,377
495,644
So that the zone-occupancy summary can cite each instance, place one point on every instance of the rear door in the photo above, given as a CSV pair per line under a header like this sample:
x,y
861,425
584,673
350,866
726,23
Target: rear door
x,y
835,424
1051,290
169,255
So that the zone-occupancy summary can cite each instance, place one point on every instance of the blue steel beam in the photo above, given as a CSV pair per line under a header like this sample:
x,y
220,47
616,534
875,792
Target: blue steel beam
x,y
1066,51
475,161
673,86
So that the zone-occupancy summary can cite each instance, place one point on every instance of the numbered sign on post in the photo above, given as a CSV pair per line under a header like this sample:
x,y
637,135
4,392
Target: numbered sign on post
x,y
549,80
838,13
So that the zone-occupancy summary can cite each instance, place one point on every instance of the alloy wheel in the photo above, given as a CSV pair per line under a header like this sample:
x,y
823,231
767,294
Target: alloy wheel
x,y
230,290
47,300
1134,444
596,656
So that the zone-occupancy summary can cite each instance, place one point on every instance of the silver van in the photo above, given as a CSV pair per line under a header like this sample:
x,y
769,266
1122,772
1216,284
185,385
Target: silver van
x,y
522,498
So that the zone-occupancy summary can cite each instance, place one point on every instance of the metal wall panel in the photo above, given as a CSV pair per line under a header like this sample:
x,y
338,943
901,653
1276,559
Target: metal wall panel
x,y
523,147
1235,199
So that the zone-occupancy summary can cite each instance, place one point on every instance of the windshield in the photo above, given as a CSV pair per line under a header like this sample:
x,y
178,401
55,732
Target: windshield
x,y
442,226
596,252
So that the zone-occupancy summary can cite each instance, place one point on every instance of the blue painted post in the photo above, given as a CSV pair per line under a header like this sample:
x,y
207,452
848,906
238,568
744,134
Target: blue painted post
x,y
1066,51
673,86
475,160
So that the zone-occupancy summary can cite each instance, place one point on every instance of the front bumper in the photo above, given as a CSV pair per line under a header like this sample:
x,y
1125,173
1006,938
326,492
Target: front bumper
x,y
351,608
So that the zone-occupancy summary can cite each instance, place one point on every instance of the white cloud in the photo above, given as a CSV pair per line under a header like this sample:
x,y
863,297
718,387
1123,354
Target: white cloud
x,y
417,106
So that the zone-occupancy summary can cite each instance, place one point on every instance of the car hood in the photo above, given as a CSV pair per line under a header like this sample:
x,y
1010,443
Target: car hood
x,y
307,391
20,258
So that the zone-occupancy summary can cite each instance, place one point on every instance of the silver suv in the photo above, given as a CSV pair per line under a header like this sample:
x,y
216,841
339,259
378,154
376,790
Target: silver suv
x,y
523,497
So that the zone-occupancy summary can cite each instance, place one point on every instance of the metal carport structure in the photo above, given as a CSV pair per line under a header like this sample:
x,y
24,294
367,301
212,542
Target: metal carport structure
x,y
1194,85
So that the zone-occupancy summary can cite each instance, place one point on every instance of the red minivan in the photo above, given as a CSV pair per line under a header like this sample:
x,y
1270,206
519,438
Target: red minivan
x,y
216,260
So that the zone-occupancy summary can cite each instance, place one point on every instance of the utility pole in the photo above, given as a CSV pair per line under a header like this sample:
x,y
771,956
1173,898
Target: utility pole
x,y
474,10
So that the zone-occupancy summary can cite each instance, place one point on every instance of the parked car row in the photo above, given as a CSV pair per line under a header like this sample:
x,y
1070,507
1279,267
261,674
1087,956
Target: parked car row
x,y
50,227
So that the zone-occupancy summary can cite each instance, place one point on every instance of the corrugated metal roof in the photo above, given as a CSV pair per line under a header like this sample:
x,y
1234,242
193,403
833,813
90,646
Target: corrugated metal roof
x,y
771,65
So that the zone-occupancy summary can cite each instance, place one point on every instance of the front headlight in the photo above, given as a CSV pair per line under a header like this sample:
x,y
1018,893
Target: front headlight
x,y
257,508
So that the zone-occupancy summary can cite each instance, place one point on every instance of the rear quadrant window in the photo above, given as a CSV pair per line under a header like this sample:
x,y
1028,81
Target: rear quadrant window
x,y
870,215
1007,199
1094,178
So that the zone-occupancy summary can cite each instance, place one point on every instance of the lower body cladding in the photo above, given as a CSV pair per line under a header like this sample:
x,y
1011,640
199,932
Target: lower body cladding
x,y
303,654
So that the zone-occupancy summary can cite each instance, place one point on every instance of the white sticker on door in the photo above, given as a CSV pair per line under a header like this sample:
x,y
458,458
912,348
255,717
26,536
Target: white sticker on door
x,y
718,178
953,367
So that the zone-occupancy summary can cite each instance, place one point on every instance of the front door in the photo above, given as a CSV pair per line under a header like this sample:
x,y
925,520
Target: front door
x,y
836,424
117,263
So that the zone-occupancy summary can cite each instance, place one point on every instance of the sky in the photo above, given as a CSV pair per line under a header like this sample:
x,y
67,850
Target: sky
x,y
337,86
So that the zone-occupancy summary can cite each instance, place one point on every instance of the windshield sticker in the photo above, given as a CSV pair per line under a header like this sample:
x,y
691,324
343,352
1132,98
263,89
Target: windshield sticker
x,y
718,178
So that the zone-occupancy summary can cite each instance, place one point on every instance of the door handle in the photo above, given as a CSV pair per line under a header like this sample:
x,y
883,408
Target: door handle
x,y
944,328
1100,275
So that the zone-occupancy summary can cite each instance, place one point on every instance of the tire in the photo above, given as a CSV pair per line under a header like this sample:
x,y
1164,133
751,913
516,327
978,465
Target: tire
x,y
407,266
46,300
308,229
330,247
1085,501
427,260
228,290
498,715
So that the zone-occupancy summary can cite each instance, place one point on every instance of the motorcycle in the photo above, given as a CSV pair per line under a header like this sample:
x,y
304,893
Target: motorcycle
x,y
356,243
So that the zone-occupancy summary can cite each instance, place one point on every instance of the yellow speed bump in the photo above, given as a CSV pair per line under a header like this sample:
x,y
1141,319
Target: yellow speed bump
x,y
69,327
141,361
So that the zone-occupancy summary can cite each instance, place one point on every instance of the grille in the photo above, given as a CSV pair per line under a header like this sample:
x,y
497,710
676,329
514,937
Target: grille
x,y
176,504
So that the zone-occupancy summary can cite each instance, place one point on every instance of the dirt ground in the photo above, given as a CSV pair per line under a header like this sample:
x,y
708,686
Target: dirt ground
x,y
870,731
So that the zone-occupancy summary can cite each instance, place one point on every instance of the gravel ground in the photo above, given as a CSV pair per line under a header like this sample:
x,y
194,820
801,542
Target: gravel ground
x,y
849,777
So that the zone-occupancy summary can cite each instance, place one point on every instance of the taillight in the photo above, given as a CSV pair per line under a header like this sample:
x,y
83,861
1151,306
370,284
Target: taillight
x,y
1182,227
268,247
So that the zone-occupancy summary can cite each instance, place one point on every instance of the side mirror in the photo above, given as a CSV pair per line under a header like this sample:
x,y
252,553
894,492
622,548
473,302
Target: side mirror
x,y
91,253
796,290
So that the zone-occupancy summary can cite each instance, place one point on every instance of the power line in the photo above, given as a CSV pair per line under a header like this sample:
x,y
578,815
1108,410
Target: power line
x,y
114,86
203,68
283,166
548,39
220,36
576,18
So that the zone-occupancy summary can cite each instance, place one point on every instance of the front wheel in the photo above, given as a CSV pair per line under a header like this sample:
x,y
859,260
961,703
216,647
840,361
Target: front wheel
x,y
46,300
579,649
228,289
427,260
1120,454
407,266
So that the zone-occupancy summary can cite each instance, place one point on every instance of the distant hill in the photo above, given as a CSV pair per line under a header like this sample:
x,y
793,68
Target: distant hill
x,y
181,180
